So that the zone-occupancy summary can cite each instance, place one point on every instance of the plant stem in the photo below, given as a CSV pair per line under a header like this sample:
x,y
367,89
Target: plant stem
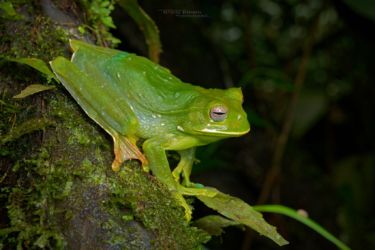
x,y
282,140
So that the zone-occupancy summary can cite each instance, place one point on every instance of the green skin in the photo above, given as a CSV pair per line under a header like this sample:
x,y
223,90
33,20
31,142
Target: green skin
x,y
133,98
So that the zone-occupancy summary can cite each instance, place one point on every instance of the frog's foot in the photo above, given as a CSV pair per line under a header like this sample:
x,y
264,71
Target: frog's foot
x,y
198,190
125,149
182,202
179,172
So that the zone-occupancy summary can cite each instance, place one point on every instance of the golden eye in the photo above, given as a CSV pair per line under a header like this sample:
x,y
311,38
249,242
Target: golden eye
x,y
218,113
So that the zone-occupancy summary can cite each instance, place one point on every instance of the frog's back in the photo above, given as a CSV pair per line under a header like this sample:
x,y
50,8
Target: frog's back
x,y
151,85
135,85
148,83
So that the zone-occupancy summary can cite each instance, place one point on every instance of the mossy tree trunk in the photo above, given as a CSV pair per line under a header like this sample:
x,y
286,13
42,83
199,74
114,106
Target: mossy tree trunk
x,y
57,186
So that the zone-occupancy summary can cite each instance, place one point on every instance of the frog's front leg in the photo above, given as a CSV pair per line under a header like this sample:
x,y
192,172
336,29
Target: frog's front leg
x,y
154,149
185,166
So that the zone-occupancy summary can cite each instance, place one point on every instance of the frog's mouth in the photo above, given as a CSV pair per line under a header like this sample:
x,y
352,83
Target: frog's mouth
x,y
223,132
216,130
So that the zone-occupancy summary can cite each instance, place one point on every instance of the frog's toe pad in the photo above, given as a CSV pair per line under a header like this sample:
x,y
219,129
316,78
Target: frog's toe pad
x,y
146,168
116,165
197,185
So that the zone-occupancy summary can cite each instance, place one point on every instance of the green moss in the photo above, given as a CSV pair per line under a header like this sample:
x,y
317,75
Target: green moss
x,y
37,37
153,205
32,202
45,180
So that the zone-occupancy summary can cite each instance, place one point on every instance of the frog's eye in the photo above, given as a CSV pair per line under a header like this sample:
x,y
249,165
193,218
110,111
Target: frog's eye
x,y
218,113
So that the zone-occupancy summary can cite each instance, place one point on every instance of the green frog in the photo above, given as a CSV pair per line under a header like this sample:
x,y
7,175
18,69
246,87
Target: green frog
x,y
134,99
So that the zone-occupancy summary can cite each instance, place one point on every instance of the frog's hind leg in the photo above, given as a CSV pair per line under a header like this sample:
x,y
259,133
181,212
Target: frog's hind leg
x,y
125,148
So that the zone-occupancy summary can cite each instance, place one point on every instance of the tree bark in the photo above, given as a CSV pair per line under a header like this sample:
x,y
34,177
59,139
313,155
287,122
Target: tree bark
x,y
57,186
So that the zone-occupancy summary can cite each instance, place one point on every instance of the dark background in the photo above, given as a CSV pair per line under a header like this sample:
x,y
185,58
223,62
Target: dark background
x,y
327,166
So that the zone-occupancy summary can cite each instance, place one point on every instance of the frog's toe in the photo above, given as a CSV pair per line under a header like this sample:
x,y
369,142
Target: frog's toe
x,y
146,168
116,165
176,176
194,185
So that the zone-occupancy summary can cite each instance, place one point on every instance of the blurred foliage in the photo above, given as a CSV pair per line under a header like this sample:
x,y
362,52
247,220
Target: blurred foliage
x,y
99,16
146,25
328,165
363,7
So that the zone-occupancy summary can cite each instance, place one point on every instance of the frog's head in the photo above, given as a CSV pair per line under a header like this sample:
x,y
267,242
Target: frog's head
x,y
217,113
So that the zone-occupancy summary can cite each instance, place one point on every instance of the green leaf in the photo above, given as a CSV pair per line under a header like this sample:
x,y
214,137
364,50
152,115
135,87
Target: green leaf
x,y
7,7
37,64
9,11
279,209
241,212
214,224
26,127
147,26
32,89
